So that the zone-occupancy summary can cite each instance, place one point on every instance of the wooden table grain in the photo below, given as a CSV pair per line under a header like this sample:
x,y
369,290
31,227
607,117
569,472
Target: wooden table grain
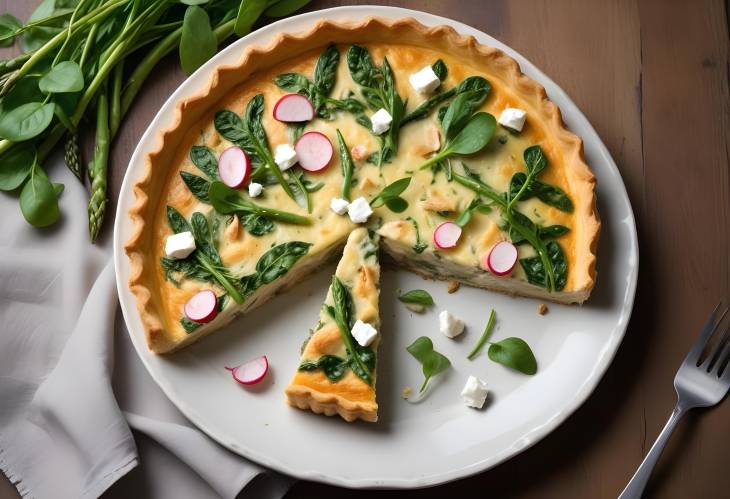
x,y
652,77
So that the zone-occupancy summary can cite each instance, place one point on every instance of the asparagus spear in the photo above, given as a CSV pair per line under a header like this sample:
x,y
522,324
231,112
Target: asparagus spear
x,y
98,167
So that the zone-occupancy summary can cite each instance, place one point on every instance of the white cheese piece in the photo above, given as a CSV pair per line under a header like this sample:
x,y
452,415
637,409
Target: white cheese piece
x,y
364,333
339,205
285,156
359,210
474,392
513,118
179,245
450,325
255,189
381,121
425,81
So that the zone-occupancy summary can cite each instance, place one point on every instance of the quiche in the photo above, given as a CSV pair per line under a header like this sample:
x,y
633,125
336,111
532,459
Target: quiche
x,y
442,168
336,373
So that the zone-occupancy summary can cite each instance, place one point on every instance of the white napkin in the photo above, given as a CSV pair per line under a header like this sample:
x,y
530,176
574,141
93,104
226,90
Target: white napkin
x,y
62,434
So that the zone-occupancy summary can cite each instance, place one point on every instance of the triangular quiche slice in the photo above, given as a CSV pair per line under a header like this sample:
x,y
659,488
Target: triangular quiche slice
x,y
466,140
336,373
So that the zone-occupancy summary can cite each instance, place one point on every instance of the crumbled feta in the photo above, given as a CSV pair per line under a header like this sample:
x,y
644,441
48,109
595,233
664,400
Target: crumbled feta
x,y
474,392
285,156
363,333
450,325
425,81
255,189
339,205
381,121
179,245
359,210
513,118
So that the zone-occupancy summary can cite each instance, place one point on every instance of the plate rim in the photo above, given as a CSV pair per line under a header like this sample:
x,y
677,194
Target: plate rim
x,y
610,347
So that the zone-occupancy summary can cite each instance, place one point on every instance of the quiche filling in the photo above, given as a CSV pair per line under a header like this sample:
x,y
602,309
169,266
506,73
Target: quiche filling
x,y
437,145
336,373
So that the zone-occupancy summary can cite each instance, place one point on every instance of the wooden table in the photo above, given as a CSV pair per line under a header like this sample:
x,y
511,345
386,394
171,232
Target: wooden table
x,y
652,77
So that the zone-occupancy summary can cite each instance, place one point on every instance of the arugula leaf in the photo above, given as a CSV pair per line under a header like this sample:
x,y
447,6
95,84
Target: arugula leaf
x,y
347,166
432,362
484,338
417,296
390,196
514,353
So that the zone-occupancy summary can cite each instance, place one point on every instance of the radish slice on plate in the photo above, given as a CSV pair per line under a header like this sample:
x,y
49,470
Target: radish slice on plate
x,y
293,108
251,372
502,259
202,307
234,167
314,151
446,235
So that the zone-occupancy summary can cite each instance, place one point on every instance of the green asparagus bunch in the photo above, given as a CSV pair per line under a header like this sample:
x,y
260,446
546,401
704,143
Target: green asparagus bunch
x,y
83,62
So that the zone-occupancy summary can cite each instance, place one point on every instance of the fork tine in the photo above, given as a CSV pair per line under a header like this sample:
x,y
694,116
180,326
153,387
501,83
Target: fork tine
x,y
699,345
713,359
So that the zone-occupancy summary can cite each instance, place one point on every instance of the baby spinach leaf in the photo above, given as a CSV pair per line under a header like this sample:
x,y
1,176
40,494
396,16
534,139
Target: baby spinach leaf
x,y
198,186
476,204
333,367
176,221
204,159
248,12
535,269
203,238
26,121
229,201
283,8
514,353
278,260
15,166
472,83
230,126
547,193
474,136
441,69
198,43
38,200
256,225
390,196
420,246
552,231
417,296
64,77
484,338
432,362
9,24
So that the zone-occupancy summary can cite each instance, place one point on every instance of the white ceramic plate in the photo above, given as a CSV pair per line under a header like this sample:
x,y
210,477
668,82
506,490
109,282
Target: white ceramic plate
x,y
413,445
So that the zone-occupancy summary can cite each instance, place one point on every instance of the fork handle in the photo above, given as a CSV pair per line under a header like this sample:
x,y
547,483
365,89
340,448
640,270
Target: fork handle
x,y
635,487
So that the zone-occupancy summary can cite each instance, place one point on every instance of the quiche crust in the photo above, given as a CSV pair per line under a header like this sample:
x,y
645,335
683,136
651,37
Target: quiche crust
x,y
149,188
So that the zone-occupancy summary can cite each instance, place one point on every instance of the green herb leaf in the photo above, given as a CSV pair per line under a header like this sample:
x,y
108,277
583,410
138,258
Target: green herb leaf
x,y
198,186
390,193
417,296
64,77
472,83
333,367
347,166
26,121
432,362
325,71
514,353
476,204
9,24
205,161
535,270
547,193
283,8
248,12
420,246
442,71
228,201
484,337
279,259
474,136
38,200
256,225
535,160
176,221
15,166
198,43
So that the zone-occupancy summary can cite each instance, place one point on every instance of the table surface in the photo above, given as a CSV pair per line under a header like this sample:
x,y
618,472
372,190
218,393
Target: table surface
x,y
652,77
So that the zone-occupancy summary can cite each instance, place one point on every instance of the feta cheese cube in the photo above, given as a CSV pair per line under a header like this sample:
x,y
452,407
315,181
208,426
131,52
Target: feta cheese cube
x,y
513,118
474,392
425,81
450,325
285,156
364,333
255,189
359,210
179,245
381,121
339,205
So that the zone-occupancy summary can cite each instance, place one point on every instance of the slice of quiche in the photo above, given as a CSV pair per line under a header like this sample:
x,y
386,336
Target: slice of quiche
x,y
336,373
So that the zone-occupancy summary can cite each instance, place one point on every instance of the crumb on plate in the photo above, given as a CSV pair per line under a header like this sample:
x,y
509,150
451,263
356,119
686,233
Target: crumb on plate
x,y
453,286
542,309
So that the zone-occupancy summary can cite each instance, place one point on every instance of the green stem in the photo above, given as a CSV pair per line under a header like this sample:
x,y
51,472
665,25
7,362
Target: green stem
x,y
90,39
484,337
281,216
115,113
435,159
425,383
220,278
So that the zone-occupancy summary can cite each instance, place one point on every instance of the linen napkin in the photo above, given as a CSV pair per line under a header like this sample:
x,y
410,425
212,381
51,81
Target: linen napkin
x,y
62,434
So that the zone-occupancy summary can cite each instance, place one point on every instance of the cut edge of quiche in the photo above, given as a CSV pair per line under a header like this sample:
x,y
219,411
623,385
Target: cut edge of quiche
x,y
148,188
326,381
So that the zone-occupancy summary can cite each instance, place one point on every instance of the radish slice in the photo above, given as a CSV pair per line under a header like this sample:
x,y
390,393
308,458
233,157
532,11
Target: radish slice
x,y
293,108
202,307
446,235
502,259
234,167
251,372
314,151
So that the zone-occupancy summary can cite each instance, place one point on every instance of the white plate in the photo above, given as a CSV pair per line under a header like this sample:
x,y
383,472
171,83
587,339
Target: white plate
x,y
413,445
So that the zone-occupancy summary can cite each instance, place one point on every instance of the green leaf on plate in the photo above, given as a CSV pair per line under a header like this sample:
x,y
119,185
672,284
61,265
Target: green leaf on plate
x,y
514,353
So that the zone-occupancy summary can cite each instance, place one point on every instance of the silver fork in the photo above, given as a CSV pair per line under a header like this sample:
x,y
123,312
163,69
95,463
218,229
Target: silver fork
x,y
697,385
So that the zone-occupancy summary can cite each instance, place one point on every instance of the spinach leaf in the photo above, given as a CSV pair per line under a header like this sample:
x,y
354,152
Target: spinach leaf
x,y
472,138
432,362
333,367
547,193
205,161
283,8
248,12
198,43
420,246
198,186
472,83
347,166
535,269
552,231
38,199
441,69
9,25
278,260
514,353
176,221
390,196
15,167
476,204
301,194
203,238
417,296
256,225
26,121
325,71
484,338
64,77
229,201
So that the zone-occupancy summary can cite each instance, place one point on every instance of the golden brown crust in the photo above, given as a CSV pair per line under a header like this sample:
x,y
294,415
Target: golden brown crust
x,y
581,181
330,404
